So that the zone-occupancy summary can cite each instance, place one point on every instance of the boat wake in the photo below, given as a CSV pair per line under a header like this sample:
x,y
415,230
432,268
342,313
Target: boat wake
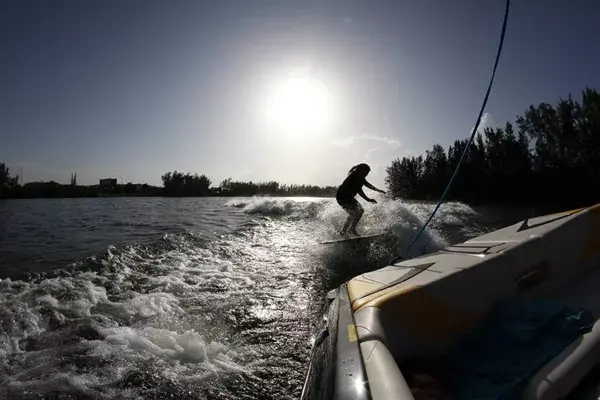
x,y
397,218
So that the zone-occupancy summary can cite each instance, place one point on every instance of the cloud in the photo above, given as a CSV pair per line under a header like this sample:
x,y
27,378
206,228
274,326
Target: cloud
x,y
344,142
393,143
487,121
351,140
347,20
370,152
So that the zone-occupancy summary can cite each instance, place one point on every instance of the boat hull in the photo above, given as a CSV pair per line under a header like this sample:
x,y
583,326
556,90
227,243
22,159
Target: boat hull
x,y
420,307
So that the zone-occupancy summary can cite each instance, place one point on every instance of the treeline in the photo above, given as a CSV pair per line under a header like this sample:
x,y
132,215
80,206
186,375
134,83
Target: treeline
x,y
8,183
179,184
272,188
10,188
54,189
174,184
553,157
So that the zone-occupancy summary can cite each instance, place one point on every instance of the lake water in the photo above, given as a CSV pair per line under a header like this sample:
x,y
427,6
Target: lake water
x,y
193,298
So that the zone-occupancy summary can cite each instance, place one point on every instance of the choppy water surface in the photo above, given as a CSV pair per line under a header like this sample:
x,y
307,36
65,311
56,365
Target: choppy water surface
x,y
184,298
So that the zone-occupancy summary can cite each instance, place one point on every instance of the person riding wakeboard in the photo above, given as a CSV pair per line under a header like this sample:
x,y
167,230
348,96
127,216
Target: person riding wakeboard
x,y
352,186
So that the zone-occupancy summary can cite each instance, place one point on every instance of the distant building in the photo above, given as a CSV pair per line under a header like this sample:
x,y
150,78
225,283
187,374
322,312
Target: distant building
x,y
108,184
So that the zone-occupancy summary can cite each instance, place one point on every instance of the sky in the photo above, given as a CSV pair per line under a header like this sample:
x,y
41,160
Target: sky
x,y
293,91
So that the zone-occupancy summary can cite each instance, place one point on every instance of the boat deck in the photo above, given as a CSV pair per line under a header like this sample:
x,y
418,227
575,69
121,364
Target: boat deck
x,y
418,308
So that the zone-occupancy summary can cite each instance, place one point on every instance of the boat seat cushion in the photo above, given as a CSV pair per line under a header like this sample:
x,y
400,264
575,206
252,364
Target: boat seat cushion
x,y
513,342
565,371
386,382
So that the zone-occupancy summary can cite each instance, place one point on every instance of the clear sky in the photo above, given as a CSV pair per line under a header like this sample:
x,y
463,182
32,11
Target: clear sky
x,y
295,91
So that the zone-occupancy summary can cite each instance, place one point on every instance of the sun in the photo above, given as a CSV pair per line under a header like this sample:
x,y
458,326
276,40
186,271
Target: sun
x,y
299,105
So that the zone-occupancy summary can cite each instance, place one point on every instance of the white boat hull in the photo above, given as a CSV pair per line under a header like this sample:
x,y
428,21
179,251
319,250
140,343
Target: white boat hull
x,y
419,307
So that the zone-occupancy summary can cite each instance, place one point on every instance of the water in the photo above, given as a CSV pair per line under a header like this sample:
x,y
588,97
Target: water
x,y
203,298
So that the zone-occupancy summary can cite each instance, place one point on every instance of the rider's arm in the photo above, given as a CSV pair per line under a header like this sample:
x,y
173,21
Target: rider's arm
x,y
364,196
367,184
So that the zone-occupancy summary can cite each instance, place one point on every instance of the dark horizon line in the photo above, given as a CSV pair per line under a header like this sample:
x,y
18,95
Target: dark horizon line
x,y
160,186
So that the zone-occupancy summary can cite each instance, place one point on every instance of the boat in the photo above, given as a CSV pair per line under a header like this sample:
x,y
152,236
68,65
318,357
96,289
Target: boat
x,y
389,333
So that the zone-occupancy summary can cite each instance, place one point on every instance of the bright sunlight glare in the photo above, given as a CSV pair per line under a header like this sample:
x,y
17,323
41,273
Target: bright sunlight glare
x,y
298,105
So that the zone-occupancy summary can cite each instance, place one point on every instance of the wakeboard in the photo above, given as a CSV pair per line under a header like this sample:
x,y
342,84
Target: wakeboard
x,y
343,239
